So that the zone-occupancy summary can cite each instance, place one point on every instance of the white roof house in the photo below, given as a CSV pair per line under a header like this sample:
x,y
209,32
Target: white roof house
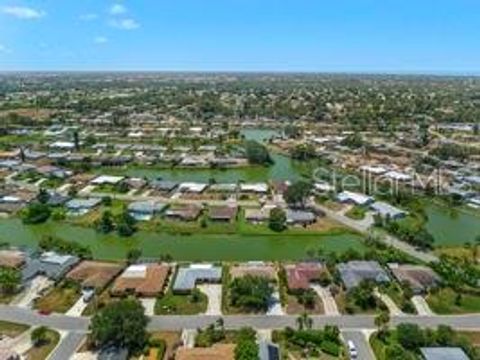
x,y
323,186
254,187
192,187
386,210
398,176
356,198
107,179
376,170
65,145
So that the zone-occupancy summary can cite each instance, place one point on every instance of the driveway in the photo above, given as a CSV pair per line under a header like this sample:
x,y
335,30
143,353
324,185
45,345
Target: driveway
x,y
77,308
214,293
149,305
69,344
421,306
393,309
20,344
275,306
188,337
32,291
360,340
329,304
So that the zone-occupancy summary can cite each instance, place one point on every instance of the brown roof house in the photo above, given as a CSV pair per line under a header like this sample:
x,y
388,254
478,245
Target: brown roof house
x,y
226,213
217,352
12,258
185,213
420,278
94,274
299,276
147,280
254,268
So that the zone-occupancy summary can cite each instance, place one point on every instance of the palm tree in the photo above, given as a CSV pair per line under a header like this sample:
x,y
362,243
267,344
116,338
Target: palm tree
x,y
304,322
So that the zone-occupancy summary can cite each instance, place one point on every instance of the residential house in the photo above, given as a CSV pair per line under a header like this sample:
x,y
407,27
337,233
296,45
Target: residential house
x,y
188,277
354,198
443,353
49,264
354,272
420,278
300,217
386,210
185,212
145,210
268,350
192,187
77,207
301,275
257,188
217,351
145,280
223,213
254,268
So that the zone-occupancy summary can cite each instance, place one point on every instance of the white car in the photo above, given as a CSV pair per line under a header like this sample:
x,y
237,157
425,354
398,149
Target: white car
x,y
352,350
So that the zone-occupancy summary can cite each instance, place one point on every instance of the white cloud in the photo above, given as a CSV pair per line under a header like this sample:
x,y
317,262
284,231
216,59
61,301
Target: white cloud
x,y
5,50
99,40
88,17
125,24
21,12
118,9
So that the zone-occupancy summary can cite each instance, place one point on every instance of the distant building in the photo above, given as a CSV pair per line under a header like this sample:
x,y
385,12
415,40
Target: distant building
x,y
259,188
185,213
225,213
300,217
107,180
354,198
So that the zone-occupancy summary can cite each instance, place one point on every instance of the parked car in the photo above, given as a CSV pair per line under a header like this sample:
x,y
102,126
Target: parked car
x,y
352,350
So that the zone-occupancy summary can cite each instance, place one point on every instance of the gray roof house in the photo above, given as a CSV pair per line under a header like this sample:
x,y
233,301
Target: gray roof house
x,y
163,185
82,206
49,264
387,210
188,277
354,272
145,210
113,353
300,217
443,353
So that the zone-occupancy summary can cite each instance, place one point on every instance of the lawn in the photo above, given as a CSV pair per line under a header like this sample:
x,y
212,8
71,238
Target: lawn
x,y
60,299
445,301
356,213
171,340
173,304
43,351
295,307
12,329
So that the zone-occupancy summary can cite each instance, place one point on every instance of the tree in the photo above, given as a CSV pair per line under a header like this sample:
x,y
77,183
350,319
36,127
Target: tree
x,y
303,152
76,140
43,196
363,295
126,224
121,323
133,255
36,213
410,336
39,336
9,280
298,192
307,298
381,322
277,220
105,224
247,348
257,153
251,293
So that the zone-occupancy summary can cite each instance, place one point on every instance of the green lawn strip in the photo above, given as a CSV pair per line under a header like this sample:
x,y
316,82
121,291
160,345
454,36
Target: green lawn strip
x,y
356,213
293,350
173,304
448,301
12,329
59,299
43,351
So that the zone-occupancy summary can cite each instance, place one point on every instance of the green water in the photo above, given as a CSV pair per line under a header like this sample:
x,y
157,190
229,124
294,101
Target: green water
x,y
450,228
283,168
188,248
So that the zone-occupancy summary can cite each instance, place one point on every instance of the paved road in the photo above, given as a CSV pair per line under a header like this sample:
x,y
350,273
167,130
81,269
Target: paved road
x,y
178,322
68,346
363,227
361,344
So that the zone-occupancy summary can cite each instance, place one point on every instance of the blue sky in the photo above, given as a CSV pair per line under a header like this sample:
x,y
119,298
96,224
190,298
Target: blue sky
x,y
244,35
